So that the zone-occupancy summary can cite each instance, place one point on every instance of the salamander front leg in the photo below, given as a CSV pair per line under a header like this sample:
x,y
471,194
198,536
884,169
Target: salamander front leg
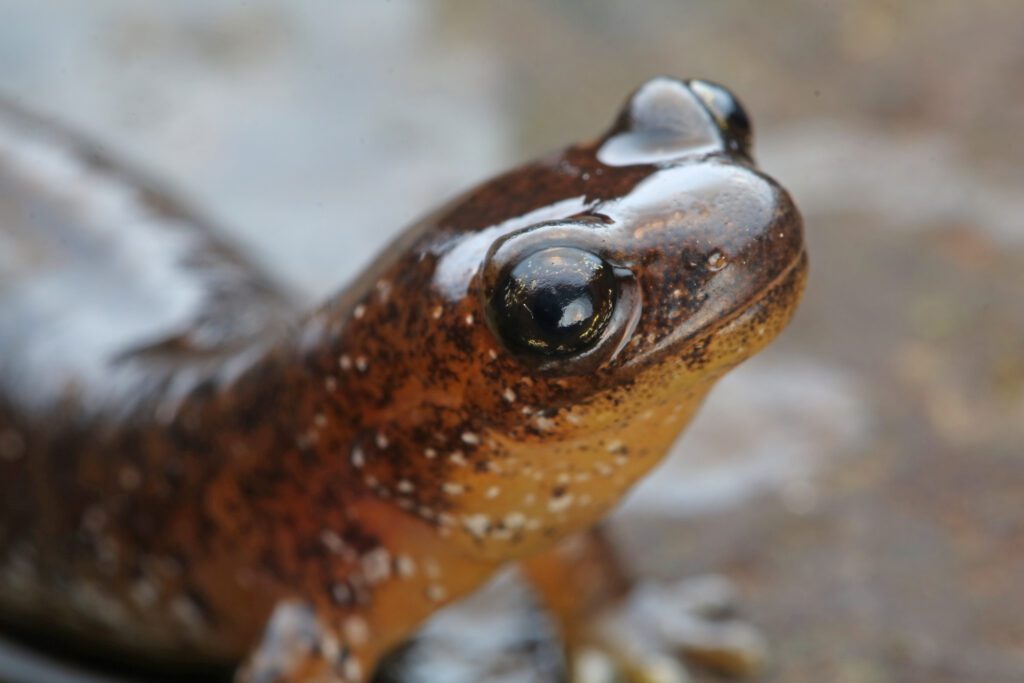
x,y
299,647
645,632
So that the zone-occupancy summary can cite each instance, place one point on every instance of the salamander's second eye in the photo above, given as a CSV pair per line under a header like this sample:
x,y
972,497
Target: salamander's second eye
x,y
729,114
555,301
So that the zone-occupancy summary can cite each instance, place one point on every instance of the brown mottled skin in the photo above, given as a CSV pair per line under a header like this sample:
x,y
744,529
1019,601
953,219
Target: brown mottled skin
x,y
386,453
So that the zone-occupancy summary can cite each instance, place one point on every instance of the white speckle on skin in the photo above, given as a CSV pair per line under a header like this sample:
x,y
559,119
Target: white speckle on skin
x,y
107,555
359,311
436,592
143,593
344,362
91,600
352,670
469,319
187,613
330,647
358,458
362,363
332,541
381,440
544,424
432,568
405,566
405,486
453,488
515,520
430,453
457,458
470,438
377,565
509,395
356,631
493,492
438,311
492,354
341,593
615,446
320,420
478,524
560,504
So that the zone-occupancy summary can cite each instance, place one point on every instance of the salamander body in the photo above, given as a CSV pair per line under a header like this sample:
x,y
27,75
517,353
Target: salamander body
x,y
194,473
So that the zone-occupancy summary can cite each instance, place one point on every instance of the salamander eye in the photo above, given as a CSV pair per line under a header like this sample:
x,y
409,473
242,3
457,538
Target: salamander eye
x,y
555,302
729,114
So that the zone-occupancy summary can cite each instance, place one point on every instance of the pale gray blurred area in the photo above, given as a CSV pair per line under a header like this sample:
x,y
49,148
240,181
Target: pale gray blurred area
x,y
862,481
316,130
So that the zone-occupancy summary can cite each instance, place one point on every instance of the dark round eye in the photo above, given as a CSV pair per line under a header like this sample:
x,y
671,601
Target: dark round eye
x,y
555,302
729,114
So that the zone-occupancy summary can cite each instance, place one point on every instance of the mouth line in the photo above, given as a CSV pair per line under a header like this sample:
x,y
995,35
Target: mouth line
x,y
739,311
734,314
783,275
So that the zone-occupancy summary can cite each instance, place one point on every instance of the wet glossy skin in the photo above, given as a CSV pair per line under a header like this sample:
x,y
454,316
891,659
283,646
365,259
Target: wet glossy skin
x,y
495,382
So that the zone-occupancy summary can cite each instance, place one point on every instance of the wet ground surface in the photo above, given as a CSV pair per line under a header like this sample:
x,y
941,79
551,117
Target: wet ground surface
x,y
862,481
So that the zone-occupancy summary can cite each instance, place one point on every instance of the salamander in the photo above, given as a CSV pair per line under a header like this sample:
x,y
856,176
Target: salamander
x,y
195,474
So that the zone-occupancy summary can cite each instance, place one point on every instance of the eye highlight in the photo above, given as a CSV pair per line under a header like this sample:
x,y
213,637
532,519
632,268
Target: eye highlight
x,y
555,302
729,114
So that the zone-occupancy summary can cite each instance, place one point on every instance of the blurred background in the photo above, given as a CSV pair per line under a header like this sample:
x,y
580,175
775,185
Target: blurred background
x,y
862,481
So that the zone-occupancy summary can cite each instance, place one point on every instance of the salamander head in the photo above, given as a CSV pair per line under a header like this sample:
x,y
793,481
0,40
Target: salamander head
x,y
571,315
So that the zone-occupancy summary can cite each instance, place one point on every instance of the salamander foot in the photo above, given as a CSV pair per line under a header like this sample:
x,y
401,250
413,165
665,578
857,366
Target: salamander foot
x,y
660,628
